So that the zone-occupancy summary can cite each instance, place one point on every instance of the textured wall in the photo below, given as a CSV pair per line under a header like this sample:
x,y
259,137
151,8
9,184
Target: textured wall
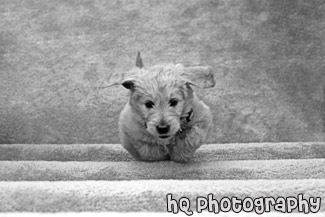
x,y
268,57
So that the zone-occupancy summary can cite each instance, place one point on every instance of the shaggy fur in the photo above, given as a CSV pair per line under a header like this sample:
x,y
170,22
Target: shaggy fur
x,y
164,119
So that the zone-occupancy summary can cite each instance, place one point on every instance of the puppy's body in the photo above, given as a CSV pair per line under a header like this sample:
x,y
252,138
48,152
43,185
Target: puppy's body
x,y
164,119
143,146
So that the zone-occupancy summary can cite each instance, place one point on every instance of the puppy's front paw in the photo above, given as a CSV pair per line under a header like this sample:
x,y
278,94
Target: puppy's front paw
x,y
187,142
180,158
181,152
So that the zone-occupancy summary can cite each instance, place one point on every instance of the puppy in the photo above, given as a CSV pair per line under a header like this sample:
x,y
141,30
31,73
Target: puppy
x,y
164,119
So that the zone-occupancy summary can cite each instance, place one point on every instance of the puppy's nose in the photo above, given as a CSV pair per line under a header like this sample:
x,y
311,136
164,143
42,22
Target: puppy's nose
x,y
162,129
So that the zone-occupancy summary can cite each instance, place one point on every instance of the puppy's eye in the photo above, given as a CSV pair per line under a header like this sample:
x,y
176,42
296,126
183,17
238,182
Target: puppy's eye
x,y
173,102
149,104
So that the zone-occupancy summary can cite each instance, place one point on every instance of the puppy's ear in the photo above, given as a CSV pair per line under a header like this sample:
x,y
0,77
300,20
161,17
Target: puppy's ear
x,y
128,84
116,79
138,61
199,76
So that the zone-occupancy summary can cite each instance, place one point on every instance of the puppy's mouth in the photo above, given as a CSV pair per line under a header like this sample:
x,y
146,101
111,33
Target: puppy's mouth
x,y
164,136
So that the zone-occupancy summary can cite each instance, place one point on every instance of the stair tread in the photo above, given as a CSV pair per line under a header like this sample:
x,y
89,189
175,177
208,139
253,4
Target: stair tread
x,y
115,152
142,195
87,170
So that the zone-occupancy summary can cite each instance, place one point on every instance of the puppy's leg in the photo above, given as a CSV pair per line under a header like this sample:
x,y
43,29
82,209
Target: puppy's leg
x,y
152,152
189,141
143,151
127,143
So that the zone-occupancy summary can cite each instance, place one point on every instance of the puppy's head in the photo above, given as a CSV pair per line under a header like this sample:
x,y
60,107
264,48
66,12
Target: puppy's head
x,y
161,94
